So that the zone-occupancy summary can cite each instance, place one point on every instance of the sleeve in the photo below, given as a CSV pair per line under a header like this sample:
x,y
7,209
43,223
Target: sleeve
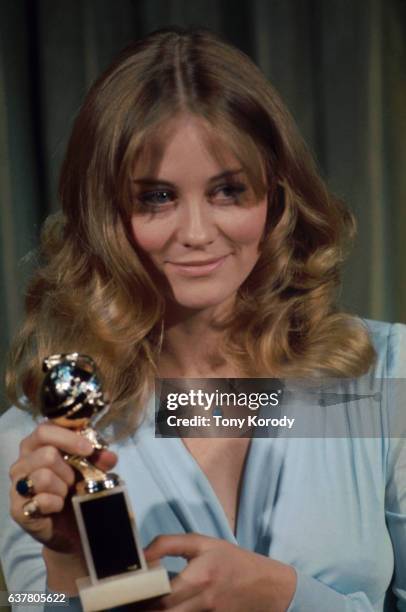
x,y
310,592
395,502
21,555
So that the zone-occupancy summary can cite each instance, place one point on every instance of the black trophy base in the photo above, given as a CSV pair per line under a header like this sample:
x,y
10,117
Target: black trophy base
x,y
120,590
109,536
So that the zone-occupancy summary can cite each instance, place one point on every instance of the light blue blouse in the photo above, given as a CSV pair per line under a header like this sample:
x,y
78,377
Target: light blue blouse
x,y
334,508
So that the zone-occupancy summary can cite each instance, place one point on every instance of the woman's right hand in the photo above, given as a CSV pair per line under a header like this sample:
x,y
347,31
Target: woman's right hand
x,y
41,460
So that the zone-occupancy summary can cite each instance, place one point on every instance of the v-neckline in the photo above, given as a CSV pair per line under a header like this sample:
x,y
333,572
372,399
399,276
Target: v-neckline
x,y
241,485
194,489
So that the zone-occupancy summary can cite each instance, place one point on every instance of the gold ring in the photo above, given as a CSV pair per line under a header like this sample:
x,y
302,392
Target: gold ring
x,y
31,508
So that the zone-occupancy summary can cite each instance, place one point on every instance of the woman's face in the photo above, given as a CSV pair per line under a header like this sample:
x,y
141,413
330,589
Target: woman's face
x,y
197,218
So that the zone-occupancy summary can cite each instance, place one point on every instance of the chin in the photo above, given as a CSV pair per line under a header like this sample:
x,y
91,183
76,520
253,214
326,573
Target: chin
x,y
200,301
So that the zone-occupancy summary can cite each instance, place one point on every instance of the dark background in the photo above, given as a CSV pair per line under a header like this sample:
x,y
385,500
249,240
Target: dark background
x,y
340,65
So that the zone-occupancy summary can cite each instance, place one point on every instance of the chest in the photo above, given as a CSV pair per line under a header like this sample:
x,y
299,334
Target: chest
x,y
222,461
315,503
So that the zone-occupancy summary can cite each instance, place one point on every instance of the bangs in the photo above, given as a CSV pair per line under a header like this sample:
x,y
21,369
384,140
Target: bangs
x,y
223,136
146,150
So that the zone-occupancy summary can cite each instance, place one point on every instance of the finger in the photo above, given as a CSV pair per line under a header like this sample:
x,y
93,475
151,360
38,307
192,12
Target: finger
x,y
44,457
50,456
45,480
48,503
17,501
187,545
104,459
45,503
60,437
181,590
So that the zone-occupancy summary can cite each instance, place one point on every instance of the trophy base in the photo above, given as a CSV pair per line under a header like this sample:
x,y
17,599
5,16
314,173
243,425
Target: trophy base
x,y
123,589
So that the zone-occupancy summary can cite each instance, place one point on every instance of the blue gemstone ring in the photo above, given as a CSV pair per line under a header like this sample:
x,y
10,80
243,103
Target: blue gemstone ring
x,y
25,487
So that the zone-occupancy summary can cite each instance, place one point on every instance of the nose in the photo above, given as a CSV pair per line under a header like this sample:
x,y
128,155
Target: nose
x,y
196,224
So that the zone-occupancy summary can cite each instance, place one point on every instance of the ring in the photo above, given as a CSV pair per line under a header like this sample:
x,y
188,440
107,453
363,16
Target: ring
x,y
31,508
25,487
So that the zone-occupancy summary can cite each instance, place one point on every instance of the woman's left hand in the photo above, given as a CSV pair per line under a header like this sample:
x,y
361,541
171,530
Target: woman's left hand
x,y
222,577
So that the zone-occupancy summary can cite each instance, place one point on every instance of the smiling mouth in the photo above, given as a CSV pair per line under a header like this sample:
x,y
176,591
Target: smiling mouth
x,y
198,268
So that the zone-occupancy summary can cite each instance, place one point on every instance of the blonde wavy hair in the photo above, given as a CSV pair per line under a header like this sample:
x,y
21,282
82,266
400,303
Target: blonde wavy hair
x,y
92,292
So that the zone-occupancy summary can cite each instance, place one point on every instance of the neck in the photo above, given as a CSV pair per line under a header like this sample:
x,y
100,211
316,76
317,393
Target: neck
x,y
191,345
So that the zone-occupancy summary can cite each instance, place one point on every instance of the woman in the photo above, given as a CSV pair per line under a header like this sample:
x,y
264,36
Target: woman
x,y
196,239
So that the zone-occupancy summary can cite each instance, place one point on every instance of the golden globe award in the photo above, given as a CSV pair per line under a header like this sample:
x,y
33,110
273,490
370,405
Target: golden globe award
x,y
71,395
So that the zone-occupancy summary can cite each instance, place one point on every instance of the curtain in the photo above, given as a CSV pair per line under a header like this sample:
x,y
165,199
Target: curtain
x,y
339,65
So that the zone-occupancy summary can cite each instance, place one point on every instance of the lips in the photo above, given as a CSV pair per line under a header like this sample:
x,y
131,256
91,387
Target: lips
x,y
202,262
198,268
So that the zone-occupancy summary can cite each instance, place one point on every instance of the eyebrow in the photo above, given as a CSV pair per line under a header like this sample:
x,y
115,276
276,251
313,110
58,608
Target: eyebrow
x,y
147,180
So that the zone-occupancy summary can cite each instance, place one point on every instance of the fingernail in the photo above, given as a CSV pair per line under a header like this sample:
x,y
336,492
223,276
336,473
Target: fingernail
x,y
85,446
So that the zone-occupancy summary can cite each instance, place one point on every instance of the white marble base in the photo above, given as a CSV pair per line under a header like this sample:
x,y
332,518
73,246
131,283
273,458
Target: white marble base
x,y
123,589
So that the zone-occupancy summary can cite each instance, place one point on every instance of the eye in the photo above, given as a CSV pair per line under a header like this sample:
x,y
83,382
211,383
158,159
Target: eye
x,y
228,192
155,198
